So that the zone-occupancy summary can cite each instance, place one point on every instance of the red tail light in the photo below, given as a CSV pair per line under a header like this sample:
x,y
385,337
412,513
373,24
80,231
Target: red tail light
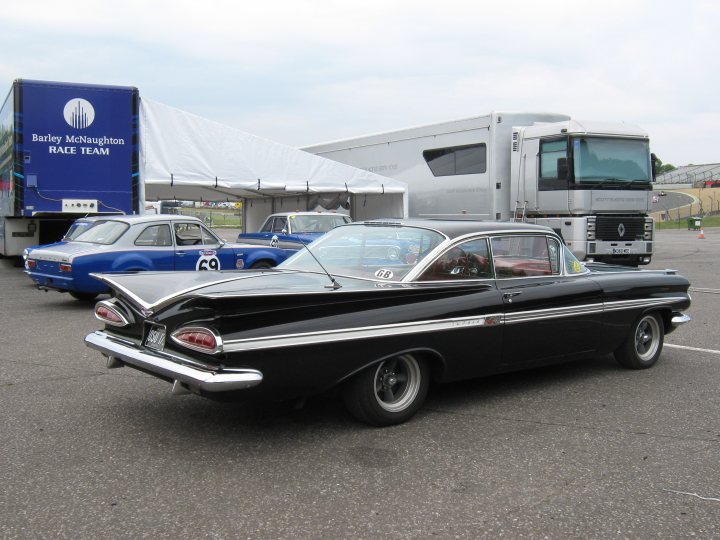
x,y
64,267
31,263
109,314
199,339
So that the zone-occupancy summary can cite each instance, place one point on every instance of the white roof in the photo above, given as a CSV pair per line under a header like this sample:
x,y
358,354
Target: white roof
x,y
186,157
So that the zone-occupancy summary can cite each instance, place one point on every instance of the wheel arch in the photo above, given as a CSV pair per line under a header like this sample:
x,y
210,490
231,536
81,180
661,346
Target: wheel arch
x,y
132,262
262,256
666,315
435,361
261,263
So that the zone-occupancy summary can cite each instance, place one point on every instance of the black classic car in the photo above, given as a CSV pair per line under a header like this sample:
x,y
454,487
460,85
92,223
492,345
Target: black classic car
x,y
382,309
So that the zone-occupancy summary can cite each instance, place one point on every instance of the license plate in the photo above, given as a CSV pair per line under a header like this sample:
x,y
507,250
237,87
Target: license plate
x,y
155,338
620,251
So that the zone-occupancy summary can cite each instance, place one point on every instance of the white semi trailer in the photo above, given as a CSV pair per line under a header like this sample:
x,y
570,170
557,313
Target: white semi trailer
x,y
590,181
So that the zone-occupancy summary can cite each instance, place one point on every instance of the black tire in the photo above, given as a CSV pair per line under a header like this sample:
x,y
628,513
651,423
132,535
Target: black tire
x,y
83,297
261,265
388,393
644,344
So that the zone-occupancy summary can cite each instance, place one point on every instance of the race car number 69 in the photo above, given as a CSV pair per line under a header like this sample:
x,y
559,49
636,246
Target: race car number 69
x,y
208,262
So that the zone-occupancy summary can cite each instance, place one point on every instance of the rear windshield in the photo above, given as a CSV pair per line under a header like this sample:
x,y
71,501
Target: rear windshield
x,y
77,228
106,232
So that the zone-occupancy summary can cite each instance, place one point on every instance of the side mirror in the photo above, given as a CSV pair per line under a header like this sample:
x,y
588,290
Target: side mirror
x,y
562,168
653,165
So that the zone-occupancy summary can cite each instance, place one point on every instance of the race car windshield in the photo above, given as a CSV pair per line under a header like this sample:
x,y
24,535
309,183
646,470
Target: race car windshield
x,y
320,223
106,232
367,251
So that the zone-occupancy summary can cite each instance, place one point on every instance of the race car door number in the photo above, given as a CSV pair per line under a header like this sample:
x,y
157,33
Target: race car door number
x,y
155,338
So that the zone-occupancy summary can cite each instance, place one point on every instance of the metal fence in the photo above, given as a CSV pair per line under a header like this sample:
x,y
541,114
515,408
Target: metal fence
x,y
694,175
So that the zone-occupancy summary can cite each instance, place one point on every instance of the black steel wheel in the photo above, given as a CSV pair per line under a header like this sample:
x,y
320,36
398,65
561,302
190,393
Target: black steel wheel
x,y
644,344
388,393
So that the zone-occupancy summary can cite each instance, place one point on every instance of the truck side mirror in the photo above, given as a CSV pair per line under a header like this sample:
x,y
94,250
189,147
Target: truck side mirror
x,y
653,165
562,168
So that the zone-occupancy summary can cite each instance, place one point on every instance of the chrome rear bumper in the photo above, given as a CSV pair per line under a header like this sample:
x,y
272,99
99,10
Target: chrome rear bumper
x,y
119,353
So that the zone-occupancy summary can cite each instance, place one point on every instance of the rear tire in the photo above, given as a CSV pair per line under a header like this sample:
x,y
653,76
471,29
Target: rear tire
x,y
261,265
388,393
644,344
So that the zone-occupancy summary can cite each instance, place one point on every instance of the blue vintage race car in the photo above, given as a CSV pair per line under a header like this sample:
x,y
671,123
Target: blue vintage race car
x,y
293,229
139,243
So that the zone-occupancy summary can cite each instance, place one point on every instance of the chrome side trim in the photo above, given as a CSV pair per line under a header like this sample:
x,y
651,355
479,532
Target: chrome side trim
x,y
346,334
552,313
642,303
417,327
211,381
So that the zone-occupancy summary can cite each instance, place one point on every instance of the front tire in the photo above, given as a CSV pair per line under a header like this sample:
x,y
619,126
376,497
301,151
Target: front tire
x,y
643,345
388,393
262,265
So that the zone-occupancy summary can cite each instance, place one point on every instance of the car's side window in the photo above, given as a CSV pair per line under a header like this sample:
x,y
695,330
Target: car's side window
x,y
155,235
468,260
267,226
187,234
572,265
554,250
208,238
521,256
279,225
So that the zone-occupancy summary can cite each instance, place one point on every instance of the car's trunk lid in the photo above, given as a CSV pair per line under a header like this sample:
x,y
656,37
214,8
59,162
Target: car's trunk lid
x,y
153,290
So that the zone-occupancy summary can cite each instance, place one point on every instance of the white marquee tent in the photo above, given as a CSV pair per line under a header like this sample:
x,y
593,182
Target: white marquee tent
x,y
186,157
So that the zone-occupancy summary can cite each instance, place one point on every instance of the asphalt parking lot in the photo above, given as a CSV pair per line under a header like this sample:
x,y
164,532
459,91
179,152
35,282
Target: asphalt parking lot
x,y
584,450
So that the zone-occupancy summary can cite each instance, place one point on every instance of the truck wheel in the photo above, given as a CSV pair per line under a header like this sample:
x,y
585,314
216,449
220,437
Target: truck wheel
x,y
643,345
83,297
388,393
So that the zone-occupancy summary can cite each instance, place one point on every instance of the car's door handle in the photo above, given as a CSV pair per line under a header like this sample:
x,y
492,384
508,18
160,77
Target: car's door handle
x,y
179,253
509,296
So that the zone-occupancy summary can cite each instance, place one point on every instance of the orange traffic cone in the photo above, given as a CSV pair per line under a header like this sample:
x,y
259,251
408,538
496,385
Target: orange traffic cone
x,y
702,234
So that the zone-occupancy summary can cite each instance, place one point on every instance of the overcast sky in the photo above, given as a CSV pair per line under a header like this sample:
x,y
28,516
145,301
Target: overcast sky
x,y
308,71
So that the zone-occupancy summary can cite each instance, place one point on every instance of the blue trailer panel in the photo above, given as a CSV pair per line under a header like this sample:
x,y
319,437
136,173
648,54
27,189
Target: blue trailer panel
x,y
66,150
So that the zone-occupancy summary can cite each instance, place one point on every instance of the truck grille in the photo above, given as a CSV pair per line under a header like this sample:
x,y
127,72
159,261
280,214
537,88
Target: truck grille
x,y
619,228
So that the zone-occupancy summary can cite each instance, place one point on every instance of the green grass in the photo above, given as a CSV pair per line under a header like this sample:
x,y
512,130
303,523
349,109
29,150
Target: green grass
x,y
216,217
707,221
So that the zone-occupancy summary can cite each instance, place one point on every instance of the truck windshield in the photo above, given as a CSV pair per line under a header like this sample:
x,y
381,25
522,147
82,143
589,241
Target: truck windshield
x,y
611,162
